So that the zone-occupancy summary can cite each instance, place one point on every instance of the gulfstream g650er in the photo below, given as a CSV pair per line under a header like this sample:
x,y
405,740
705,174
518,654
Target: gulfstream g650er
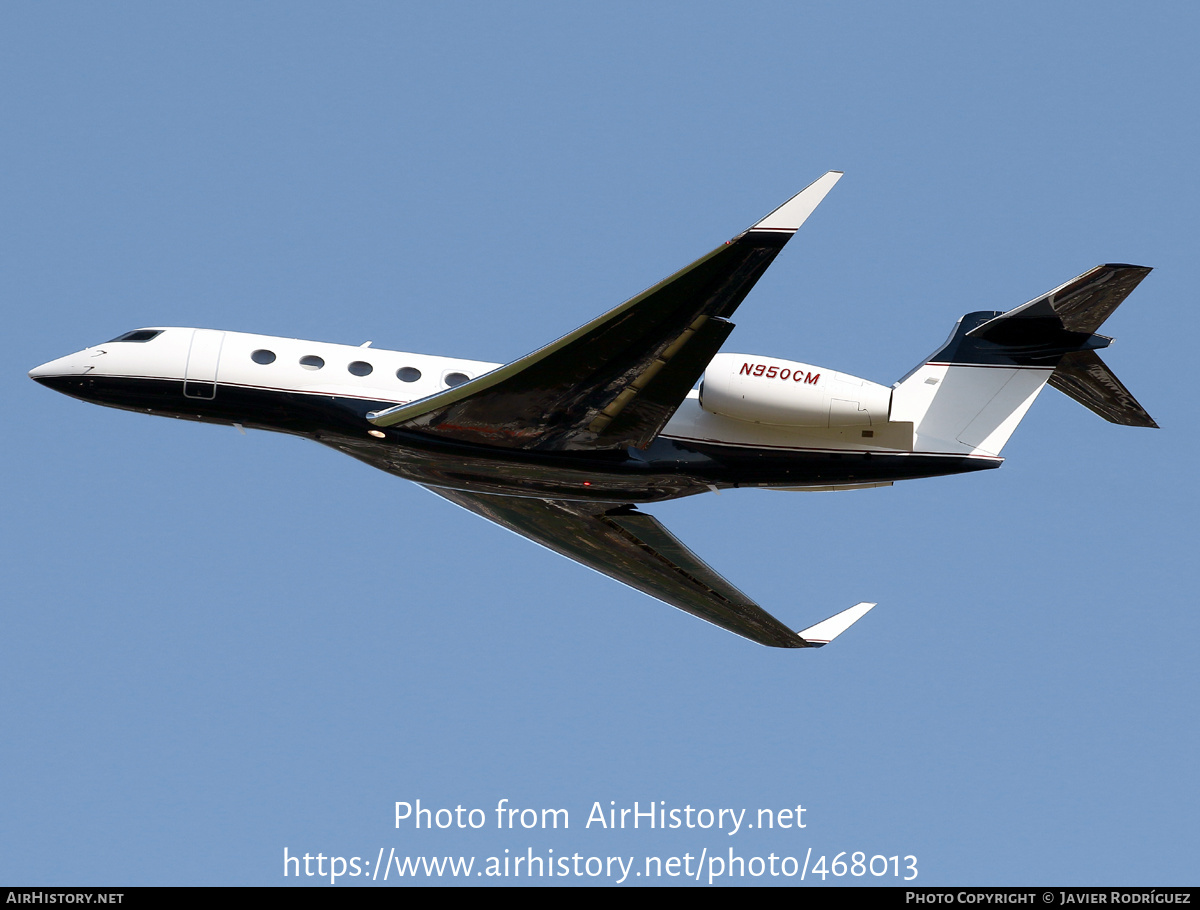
x,y
563,444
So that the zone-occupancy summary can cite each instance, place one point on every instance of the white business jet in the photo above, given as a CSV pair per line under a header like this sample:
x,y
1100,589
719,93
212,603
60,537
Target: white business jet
x,y
562,445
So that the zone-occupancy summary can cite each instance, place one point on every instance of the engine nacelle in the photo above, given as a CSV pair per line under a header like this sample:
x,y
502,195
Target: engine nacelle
x,y
789,394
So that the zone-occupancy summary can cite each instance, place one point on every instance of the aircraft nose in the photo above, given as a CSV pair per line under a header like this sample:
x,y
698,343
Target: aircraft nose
x,y
61,368
40,373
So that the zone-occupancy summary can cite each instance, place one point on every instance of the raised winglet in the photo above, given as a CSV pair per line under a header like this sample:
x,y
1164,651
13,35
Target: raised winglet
x,y
793,213
828,629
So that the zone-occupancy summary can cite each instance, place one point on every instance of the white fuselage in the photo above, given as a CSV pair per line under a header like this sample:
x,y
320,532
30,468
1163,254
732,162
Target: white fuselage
x,y
842,435
204,358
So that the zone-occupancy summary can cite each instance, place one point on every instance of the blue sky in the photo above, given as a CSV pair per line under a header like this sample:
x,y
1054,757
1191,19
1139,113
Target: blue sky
x,y
221,646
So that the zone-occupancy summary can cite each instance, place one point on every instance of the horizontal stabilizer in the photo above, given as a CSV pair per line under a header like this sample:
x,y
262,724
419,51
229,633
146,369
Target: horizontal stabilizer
x,y
1082,375
1080,306
828,629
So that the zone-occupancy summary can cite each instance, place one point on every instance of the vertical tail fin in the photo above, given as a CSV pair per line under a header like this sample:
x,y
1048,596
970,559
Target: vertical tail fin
x,y
969,396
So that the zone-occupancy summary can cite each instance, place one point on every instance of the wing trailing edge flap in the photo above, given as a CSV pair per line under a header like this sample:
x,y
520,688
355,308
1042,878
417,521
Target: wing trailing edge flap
x,y
617,380
635,549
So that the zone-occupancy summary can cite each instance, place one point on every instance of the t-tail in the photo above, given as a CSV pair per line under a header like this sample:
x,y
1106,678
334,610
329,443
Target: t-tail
x,y
969,396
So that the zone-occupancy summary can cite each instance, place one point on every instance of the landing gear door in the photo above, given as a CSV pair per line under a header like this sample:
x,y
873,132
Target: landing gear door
x,y
200,376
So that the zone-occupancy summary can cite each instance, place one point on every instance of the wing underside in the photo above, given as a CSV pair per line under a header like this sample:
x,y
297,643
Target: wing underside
x,y
634,548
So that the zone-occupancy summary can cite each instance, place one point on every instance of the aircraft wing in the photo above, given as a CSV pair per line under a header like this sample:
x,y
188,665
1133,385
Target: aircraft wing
x,y
616,381
635,549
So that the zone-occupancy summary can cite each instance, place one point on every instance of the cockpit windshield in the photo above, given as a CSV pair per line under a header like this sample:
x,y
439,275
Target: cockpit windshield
x,y
137,335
